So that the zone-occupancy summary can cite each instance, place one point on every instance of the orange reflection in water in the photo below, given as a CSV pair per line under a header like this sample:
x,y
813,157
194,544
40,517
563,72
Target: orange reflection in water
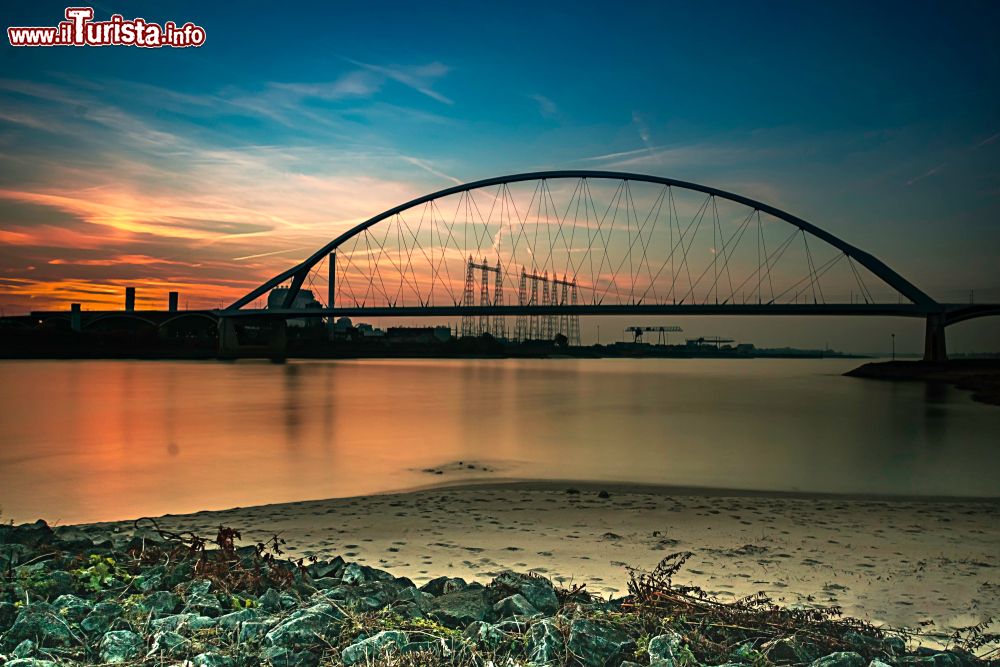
x,y
99,440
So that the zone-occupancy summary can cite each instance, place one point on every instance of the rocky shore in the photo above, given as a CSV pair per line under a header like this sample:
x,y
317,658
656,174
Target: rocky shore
x,y
149,596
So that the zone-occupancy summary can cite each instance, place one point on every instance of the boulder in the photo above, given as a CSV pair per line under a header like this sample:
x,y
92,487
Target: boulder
x,y
367,650
158,603
545,644
456,610
251,631
840,659
121,646
24,649
212,659
485,635
598,643
355,574
199,599
102,618
279,656
40,623
538,591
168,643
444,585
666,647
182,622
230,622
71,608
326,568
306,628
515,605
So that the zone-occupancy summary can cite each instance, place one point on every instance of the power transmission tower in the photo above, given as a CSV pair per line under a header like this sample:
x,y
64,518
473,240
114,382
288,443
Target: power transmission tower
x,y
499,322
521,325
468,323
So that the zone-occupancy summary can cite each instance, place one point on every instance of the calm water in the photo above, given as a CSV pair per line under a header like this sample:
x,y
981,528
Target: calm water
x,y
96,440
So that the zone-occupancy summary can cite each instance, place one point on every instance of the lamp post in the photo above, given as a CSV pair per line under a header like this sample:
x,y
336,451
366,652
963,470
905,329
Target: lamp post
x,y
893,346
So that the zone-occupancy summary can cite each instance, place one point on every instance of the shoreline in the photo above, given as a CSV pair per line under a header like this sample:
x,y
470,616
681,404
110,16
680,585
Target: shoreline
x,y
891,560
981,377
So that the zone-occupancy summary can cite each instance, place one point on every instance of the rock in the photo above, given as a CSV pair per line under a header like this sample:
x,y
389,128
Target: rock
x,y
233,620
168,643
456,610
603,494
376,646
538,591
424,601
251,631
485,635
179,622
598,643
355,573
840,659
29,534
666,647
41,624
24,649
322,569
270,600
71,608
306,628
372,596
102,618
200,599
121,646
158,603
211,659
279,656
444,585
515,605
895,645
545,644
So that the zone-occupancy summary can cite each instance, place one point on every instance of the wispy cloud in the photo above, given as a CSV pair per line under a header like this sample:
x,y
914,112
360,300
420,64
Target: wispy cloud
x,y
420,77
429,168
546,107
927,174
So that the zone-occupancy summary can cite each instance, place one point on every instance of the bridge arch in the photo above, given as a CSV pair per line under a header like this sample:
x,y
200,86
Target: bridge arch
x,y
298,273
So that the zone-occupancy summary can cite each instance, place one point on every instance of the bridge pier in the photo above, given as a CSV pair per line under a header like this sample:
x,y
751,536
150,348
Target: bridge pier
x,y
935,348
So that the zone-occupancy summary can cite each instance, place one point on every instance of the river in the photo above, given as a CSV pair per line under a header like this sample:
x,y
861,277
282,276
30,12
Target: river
x,y
99,440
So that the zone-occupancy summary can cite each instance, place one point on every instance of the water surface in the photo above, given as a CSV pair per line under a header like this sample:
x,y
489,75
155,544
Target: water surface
x,y
100,440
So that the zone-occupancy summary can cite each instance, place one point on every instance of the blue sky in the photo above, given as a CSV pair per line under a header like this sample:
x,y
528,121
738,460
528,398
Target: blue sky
x,y
877,121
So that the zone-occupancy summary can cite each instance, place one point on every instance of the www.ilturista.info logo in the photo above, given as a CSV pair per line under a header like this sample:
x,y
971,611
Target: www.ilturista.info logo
x,y
79,29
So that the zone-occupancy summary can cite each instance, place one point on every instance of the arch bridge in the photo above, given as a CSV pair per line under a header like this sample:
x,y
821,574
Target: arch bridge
x,y
525,255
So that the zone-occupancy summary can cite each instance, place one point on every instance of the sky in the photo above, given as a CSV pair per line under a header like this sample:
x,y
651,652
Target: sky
x,y
207,170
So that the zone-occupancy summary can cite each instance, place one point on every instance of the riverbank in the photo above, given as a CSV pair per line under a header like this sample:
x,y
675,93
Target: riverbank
x,y
980,376
916,563
150,596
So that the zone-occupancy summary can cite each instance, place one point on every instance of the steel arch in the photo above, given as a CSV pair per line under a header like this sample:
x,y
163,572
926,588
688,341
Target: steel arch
x,y
298,272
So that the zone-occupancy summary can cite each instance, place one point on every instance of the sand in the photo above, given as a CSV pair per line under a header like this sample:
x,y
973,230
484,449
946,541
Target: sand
x,y
914,563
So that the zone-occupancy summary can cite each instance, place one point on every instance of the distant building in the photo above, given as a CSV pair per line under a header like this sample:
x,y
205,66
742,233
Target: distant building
x,y
303,300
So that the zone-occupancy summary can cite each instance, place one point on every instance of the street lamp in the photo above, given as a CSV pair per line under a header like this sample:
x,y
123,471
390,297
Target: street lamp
x,y
893,346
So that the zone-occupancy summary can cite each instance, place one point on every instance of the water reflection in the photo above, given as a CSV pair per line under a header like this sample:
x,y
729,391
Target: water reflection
x,y
101,440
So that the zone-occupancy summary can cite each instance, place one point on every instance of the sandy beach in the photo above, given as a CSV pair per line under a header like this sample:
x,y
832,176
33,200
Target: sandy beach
x,y
913,563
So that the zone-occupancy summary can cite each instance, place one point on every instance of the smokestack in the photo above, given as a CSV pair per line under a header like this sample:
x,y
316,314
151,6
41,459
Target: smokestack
x,y
129,298
172,302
